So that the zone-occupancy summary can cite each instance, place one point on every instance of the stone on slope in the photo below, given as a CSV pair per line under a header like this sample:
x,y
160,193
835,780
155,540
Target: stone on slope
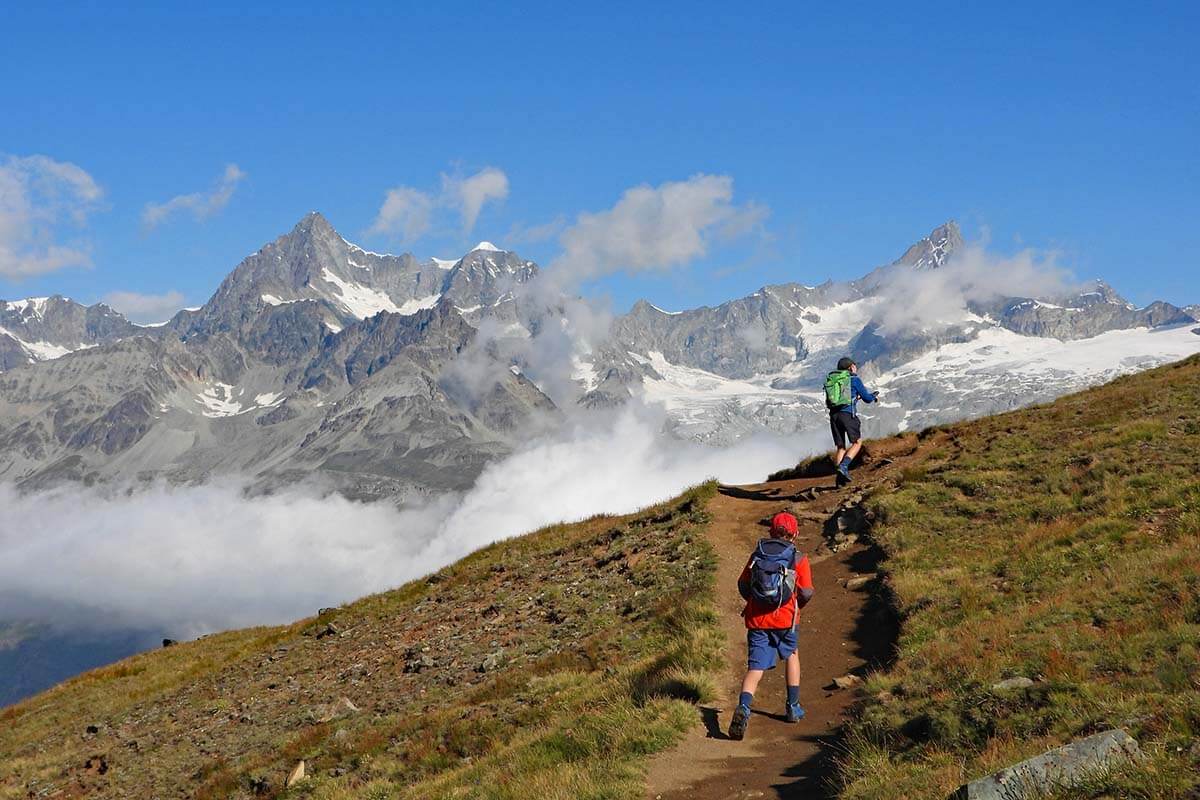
x,y
848,682
295,776
341,709
1060,767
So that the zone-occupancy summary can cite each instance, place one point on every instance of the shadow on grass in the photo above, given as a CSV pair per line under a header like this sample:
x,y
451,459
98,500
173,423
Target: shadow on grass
x,y
810,779
712,723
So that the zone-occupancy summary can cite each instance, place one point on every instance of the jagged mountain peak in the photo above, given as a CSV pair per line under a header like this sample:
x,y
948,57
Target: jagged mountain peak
x,y
29,306
1099,291
933,251
313,262
314,229
313,221
38,306
45,328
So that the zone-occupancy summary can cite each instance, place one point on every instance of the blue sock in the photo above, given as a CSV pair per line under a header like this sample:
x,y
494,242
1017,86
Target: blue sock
x,y
745,699
793,695
846,464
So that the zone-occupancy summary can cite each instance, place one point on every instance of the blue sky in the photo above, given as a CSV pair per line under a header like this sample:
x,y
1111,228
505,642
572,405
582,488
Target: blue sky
x,y
847,134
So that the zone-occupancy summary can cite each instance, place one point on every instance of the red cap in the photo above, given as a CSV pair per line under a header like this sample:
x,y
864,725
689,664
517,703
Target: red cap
x,y
784,522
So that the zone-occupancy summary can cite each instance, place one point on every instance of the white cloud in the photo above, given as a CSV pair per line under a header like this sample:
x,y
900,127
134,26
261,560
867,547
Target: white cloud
x,y
405,214
654,228
937,298
469,194
649,228
201,205
146,307
38,197
196,559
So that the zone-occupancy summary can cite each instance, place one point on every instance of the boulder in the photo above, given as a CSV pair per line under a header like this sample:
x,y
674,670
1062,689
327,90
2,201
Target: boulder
x,y
340,709
491,662
295,776
852,519
1012,684
1060,767
843,540
848,682
419,662
853,584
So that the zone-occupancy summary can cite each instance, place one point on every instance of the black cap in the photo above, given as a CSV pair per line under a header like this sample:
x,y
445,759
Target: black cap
x,y
846,363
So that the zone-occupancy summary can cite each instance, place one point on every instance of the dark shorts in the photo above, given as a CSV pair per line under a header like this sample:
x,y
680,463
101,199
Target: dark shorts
x,y
763,647
844,425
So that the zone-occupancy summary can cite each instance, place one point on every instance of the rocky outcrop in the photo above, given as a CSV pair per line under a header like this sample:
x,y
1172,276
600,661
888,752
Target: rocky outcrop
x,y
1054,770
1089,313
45,328
746,337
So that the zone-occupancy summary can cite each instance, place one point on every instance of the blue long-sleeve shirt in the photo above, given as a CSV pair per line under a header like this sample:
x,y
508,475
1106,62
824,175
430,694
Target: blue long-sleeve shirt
x,y
858,389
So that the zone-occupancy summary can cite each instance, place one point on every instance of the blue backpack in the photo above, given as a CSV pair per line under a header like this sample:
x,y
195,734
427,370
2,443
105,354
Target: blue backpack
x,y
772,573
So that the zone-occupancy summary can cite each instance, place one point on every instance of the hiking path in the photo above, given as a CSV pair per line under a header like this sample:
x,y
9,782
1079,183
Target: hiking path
x,y
842,631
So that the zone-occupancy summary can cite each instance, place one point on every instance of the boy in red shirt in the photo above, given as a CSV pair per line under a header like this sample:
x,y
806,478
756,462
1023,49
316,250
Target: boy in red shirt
x,y
771,627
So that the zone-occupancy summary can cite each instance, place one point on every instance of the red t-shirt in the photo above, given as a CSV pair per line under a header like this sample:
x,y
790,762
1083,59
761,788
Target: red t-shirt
x,y
786,615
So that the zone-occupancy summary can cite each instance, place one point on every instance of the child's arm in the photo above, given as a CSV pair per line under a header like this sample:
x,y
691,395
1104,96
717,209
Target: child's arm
x,y
804,584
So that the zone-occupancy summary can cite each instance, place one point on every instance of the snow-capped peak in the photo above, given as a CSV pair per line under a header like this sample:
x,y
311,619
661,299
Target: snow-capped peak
x,y
36,304
486,246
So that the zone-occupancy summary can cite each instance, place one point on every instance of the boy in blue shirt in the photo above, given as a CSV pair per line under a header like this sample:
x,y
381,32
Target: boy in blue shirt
x,y
843,388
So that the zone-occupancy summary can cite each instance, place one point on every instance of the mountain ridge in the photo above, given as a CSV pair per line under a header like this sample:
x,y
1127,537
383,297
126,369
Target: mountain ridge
x,y
300,362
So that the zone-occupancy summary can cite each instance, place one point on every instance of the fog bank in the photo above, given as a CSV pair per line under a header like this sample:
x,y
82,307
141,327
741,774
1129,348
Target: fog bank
x,y
189,560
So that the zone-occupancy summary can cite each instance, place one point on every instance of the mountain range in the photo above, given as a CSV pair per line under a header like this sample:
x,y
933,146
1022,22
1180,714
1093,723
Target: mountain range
x,y
388,376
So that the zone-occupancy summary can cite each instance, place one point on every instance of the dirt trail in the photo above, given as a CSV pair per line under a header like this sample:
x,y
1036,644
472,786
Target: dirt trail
x,y
841,631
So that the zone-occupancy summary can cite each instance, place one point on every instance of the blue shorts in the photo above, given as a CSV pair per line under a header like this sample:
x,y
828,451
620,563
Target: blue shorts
x,y
764,646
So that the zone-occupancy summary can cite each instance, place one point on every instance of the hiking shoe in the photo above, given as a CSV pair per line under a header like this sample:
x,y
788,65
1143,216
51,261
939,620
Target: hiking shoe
x,y
737,725
840,479
794,712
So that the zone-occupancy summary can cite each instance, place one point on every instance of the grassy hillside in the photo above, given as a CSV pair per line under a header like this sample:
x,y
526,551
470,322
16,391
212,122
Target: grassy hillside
x,y
545,666
1059,544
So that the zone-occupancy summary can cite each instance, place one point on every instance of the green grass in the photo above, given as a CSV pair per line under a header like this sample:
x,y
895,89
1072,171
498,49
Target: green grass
x,y
601,637
1060,543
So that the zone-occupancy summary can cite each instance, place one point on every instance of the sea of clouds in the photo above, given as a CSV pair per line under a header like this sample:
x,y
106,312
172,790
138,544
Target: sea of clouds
x,y
190,560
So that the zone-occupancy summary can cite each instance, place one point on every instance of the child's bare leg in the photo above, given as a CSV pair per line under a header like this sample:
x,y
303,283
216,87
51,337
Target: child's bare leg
x,y
793,669
753,676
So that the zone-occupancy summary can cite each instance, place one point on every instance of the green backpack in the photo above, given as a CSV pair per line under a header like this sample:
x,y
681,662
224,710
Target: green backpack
x,y
837,389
